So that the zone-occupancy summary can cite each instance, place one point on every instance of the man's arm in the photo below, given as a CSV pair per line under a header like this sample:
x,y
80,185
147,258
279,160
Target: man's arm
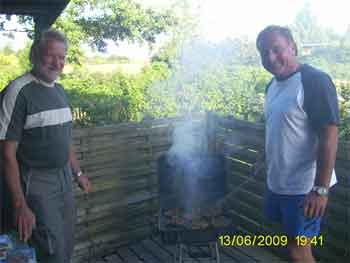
x,y
74,162
315,205
82,180
327,155
24,217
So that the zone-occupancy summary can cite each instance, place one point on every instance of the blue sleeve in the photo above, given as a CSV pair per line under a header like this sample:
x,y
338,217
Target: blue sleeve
x,y
320,99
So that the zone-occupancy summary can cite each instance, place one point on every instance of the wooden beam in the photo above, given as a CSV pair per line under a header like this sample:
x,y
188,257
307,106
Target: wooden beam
x,y
44,12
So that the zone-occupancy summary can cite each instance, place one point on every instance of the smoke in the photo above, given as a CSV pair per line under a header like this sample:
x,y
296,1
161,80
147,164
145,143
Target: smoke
x,y
198,57
194,81
187,93
190,145
189,140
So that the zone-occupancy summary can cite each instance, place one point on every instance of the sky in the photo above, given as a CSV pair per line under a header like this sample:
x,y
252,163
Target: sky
x,y
220,19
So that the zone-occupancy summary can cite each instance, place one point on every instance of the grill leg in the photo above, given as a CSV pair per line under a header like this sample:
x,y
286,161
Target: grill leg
x,y
217,252
181,255
214,251
176,253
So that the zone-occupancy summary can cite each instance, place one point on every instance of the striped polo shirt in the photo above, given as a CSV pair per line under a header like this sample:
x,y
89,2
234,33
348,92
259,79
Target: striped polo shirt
x,y
37,115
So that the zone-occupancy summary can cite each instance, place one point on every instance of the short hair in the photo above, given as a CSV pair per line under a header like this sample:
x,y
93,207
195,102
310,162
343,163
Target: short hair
x,y
40,43
282,31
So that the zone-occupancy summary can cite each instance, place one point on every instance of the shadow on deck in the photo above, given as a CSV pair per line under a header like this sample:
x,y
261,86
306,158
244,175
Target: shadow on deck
x,y
152,250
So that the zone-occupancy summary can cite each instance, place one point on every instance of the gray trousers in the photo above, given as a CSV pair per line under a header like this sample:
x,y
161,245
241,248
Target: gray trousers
x,y
49,194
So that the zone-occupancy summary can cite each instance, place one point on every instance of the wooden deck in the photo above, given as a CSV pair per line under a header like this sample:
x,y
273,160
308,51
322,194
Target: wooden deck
x,y
153,251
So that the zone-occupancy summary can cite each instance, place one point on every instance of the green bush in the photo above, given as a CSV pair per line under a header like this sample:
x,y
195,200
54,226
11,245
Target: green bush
x,y
98,99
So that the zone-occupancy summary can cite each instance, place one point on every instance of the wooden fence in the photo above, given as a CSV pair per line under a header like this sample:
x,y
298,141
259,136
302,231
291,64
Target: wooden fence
x,y
120,160
121,164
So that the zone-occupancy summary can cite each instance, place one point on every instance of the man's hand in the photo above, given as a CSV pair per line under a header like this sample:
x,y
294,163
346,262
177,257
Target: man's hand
x,y
23,215
84,183
82,180
25,221
315,205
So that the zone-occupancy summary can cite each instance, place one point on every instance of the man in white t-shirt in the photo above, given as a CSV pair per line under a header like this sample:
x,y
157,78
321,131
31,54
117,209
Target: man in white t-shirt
x,y
301,113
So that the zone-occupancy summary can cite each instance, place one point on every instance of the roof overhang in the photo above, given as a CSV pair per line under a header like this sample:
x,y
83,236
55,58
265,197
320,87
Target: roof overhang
x,y
44,12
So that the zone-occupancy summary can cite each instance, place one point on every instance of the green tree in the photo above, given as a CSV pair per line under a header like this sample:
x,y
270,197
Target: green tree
x,y
306,28
180,35
94,22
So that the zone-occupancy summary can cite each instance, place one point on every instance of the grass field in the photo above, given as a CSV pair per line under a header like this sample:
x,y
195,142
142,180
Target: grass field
x,y
132,67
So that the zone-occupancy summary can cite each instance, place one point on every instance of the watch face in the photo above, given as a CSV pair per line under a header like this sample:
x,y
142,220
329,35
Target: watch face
x,y
322,191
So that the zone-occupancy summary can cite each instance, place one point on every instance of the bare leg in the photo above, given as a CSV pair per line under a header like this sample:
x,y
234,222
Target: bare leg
x,y
300,253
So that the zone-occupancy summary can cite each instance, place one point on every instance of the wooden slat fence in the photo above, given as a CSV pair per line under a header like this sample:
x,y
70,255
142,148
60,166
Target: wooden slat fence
x,y
120,161
117,161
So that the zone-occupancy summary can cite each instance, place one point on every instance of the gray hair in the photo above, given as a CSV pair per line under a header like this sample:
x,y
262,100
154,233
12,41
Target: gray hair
x,y
282,31
40,43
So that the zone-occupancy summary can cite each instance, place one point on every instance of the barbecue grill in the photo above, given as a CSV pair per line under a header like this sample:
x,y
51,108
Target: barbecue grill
x,y
189,190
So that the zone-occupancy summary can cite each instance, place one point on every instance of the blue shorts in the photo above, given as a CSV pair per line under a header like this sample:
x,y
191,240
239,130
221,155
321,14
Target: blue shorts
x,y
289,211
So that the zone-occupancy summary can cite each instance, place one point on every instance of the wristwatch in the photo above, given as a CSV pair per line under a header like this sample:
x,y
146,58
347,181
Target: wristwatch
x,y
80,173
321,190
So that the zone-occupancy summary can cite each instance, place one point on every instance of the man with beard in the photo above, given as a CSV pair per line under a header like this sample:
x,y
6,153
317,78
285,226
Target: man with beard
x,y
301,113
39,159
